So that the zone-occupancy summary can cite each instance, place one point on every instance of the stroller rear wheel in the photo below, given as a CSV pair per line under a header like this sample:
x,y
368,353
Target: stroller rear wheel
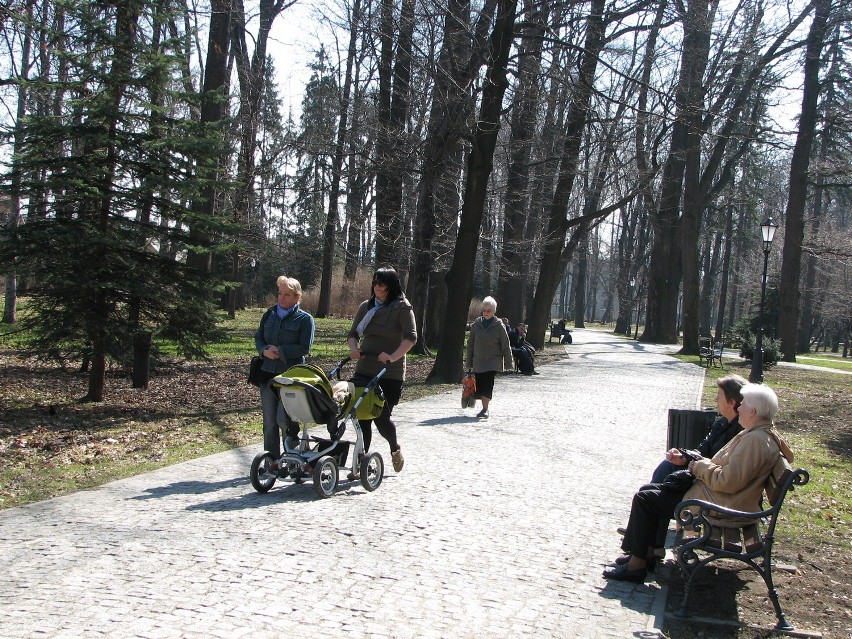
x,y
325,476
263,474
372,469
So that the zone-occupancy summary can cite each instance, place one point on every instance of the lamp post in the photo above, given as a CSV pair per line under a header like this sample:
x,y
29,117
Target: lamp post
x,y
638,309
767,229
632,283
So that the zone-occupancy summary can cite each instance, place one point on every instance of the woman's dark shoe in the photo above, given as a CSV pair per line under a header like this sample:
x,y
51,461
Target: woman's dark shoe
x,y
621,573
650,561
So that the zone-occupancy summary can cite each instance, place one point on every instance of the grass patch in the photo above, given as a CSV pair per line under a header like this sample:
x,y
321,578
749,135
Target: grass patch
x,y
835,362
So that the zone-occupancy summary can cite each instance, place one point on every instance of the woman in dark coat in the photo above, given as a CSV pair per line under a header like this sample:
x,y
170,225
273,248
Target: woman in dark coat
x,y
382,332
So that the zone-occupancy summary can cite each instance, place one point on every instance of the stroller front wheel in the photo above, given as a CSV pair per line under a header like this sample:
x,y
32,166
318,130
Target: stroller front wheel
x,y
325,476
262,473
372,470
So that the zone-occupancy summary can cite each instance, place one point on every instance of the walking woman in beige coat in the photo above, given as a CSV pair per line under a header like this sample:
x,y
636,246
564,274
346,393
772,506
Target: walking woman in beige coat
x,y
488,352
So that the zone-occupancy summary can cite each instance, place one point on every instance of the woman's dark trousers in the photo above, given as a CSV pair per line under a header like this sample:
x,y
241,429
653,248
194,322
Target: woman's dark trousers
x,y
652,508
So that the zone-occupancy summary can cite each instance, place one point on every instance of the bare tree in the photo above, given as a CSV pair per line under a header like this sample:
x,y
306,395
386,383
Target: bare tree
x,y
799,164
448,363
391,152
437,195
558,211
331,221
525,109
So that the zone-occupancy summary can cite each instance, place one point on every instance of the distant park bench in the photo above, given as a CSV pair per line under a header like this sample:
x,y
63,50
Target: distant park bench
x,y
706,535
709,354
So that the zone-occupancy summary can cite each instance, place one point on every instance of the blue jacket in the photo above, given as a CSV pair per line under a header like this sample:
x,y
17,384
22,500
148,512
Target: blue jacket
x,y
294,336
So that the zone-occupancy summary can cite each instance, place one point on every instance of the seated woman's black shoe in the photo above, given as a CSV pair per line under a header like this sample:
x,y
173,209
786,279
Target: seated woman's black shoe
x,y
650,561
621,573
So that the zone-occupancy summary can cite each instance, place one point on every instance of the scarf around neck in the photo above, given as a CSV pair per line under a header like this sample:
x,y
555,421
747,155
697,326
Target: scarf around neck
x,y
362,325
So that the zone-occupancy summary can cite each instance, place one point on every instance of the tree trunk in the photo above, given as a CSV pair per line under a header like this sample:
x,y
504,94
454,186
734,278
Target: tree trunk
x,y
581,281
127,15
708,281
213,96
251,73
14,211
794,227
557,216
333,217
141,359
448,363
675,239
726,269
510,280
806,320
437,191
394,89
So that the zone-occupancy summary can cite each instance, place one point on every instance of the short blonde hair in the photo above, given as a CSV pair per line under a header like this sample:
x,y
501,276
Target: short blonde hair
x,y
290,282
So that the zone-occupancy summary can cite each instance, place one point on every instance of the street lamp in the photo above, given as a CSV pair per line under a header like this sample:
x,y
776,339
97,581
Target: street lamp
x,y
632,284
767,229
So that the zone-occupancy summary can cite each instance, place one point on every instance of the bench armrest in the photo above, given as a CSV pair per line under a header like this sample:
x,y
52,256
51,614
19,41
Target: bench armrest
x,y
686,517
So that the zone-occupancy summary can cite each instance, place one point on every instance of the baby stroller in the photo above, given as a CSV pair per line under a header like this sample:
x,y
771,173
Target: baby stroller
x,y
311,397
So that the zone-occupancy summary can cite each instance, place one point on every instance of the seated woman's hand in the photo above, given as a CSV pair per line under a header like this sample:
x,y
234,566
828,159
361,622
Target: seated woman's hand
x,y
673,456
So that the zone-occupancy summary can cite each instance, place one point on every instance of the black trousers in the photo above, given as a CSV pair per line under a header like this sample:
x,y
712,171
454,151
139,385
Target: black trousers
x,y
650,512
392,390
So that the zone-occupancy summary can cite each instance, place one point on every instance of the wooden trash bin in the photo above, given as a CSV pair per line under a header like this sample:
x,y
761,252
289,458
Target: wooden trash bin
x,y
687,427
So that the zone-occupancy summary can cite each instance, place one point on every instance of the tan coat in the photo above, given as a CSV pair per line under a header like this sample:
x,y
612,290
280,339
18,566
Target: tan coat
x,y
488,349
735,476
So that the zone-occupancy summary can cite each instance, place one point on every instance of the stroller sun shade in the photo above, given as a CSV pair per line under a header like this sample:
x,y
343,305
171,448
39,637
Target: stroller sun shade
x,y
306,394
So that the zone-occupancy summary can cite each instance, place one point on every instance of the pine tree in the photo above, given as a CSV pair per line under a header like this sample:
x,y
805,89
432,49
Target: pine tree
x,y
106,255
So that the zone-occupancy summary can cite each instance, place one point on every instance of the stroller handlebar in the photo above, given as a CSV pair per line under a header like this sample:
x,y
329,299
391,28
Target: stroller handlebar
x,y
335,372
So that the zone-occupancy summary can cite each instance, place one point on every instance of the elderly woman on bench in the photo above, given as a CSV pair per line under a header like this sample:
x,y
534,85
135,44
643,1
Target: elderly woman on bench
x,y
733,478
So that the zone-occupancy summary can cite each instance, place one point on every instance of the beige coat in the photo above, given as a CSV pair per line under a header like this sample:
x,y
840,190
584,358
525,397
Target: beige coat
x,y
488,349
735,476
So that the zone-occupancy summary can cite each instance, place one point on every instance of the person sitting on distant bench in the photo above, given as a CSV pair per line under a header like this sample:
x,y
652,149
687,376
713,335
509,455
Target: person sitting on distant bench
x,y
563,332
522,350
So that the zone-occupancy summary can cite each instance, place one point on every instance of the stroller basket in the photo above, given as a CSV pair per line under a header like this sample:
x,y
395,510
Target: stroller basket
x,y
371,404
306,394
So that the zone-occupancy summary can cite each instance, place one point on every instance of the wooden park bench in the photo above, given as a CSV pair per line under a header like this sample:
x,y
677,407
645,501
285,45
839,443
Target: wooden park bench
x,y
706,536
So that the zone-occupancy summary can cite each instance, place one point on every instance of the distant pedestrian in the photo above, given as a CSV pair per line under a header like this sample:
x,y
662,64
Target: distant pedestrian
x,y
488,352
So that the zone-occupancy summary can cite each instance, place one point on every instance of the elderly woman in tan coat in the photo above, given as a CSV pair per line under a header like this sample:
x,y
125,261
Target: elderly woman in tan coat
x,y
488,352
733,478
